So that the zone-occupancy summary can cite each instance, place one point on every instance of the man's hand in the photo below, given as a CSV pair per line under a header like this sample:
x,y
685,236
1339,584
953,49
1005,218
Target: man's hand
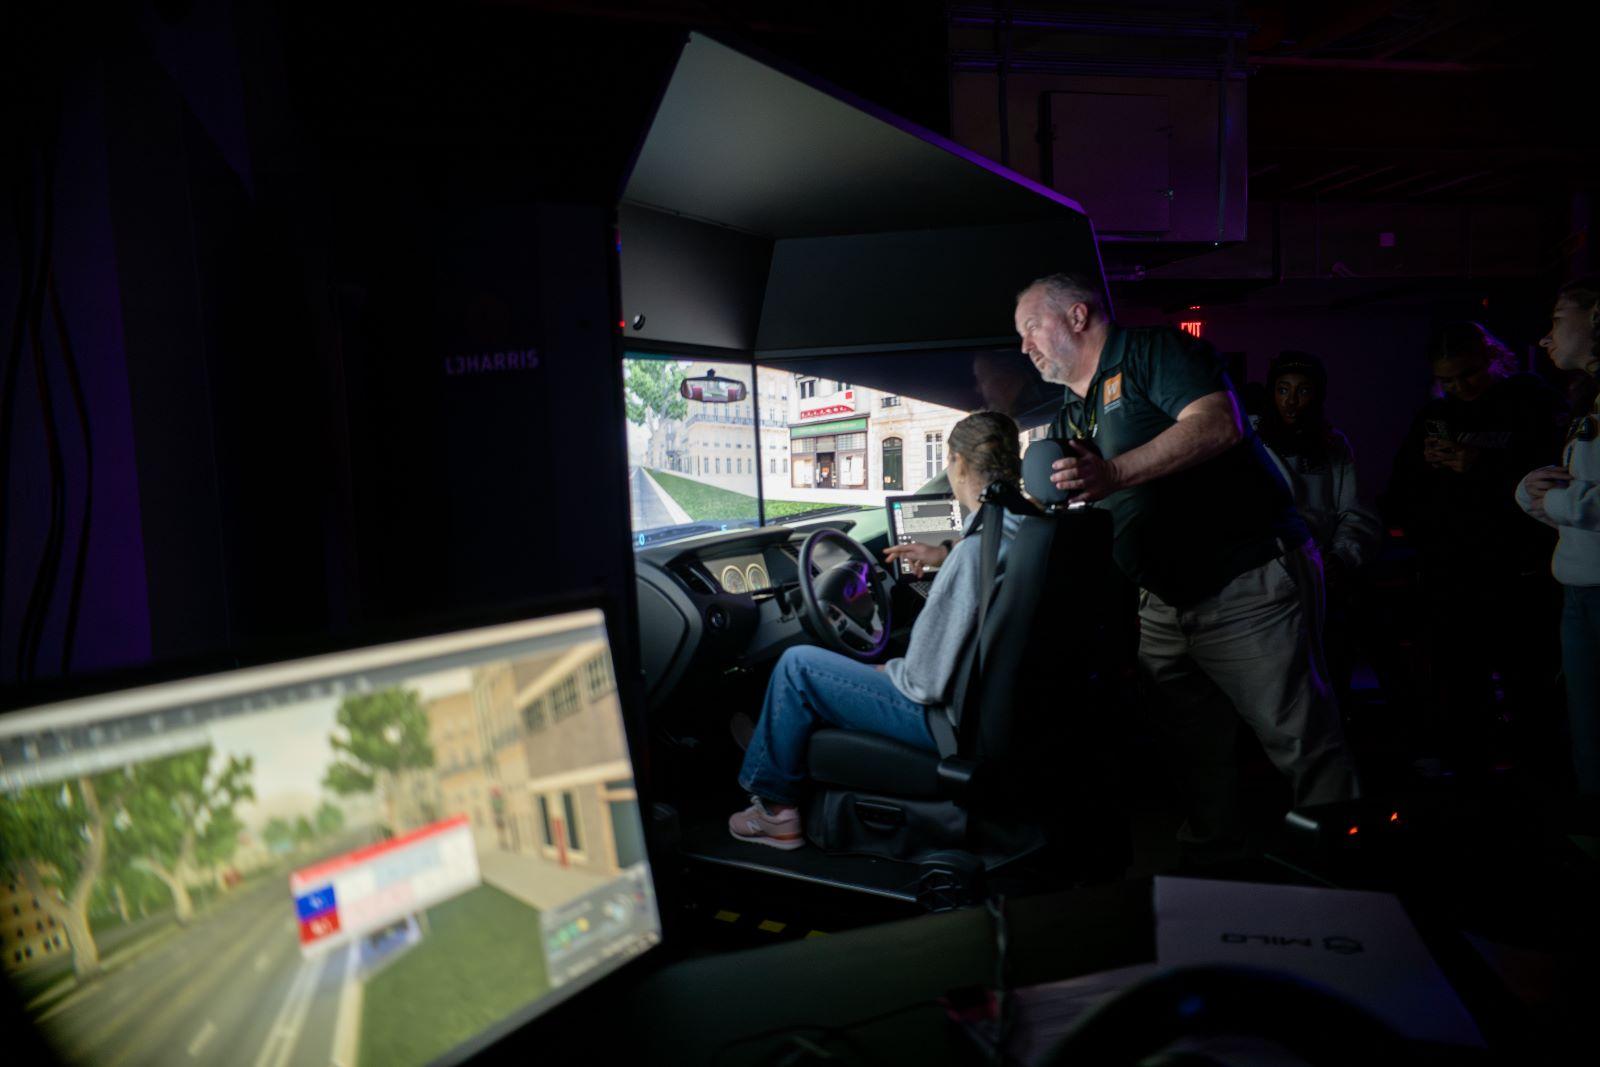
x,y
1433,450
1541,482
1085,474
918,556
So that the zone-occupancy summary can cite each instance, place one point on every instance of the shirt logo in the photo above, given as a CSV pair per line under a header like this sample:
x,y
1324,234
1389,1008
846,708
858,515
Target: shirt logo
x,y
1111,393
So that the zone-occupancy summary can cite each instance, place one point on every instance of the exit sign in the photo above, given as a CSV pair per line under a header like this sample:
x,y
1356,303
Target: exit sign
x,y
1193,328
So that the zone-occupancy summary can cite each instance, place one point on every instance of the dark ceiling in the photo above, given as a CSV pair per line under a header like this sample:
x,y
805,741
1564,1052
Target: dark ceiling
x,y
1433,102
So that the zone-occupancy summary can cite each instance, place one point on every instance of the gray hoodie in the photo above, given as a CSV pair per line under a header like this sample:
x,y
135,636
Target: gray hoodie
x,y
1574,510
948,621
1325,494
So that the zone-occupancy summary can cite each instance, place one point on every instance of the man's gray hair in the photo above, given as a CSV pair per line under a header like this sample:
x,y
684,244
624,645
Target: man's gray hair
x,y
1066,288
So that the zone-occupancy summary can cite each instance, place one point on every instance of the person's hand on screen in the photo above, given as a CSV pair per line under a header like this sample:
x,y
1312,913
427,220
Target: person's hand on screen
x,y
919,557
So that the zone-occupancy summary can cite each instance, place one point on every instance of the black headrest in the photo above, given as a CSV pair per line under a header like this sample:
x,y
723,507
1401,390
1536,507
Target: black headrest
x,y
1036,470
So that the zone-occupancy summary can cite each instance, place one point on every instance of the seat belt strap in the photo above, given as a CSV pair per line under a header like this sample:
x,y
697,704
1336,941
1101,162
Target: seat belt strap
x,y
993,524
944,735
993,519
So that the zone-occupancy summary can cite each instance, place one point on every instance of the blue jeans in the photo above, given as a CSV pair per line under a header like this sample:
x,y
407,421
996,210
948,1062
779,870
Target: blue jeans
x,y
811,688
1580,662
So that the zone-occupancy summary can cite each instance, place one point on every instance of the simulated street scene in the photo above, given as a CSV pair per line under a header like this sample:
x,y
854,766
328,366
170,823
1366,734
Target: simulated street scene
x,y
361,876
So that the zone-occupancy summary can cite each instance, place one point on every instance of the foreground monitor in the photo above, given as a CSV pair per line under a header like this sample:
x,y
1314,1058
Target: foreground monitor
x,y
385,856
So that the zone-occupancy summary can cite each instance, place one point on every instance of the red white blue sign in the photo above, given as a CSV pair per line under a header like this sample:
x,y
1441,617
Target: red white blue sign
x,y
360,892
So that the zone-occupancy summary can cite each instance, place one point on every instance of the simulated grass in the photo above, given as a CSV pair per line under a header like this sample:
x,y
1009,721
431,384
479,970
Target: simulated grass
x,y
482,960
707,503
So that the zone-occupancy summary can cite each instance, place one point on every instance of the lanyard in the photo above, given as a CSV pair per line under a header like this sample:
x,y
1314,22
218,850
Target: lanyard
x,y
1089,429
1091,426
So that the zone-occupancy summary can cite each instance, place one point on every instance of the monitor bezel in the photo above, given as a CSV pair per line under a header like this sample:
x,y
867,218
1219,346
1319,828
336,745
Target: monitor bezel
x,y
889,502
553,1027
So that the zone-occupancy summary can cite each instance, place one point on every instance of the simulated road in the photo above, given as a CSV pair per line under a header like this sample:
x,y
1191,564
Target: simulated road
x,y
231,989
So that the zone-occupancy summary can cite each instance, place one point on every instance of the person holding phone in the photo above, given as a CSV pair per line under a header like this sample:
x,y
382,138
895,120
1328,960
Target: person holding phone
x,y
1479,561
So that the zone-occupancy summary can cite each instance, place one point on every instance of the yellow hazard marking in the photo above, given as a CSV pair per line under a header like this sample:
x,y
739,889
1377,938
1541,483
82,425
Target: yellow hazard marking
x,y
816,933
772,927
727,916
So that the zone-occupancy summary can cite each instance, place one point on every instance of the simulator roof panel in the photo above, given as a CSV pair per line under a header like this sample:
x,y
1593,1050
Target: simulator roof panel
x,y
760,199
738,142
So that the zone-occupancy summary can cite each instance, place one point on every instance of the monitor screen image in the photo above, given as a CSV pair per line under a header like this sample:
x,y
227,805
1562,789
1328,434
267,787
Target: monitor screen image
x,y
930,520
384,856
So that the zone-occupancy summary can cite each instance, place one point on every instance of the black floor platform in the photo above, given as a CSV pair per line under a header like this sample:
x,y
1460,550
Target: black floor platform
x,y
709,842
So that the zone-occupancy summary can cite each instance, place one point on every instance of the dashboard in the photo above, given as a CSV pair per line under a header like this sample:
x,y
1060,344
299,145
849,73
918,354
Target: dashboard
x,y
723,600
741,574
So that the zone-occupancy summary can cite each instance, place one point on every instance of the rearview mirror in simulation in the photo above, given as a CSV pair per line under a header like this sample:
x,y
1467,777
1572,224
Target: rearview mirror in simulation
x,y
713,389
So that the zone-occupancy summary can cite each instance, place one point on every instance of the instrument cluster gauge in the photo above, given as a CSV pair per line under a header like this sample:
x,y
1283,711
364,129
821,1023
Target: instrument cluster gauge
x,y
756,574
732,579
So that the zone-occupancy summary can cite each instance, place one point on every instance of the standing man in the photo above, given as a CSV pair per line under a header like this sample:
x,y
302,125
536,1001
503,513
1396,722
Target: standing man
x,y
1230,603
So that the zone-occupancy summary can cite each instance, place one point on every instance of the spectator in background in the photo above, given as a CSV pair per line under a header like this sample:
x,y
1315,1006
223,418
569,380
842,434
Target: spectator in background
x,y
1482,565
1317,462
1567,497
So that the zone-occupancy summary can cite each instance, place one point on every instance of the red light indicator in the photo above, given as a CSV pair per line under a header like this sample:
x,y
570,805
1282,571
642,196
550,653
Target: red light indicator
x,y
1192,328
1394,816
622,324
1354,830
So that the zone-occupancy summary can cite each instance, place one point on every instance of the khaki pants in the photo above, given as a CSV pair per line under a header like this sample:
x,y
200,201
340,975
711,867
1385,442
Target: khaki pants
x,y
1253,652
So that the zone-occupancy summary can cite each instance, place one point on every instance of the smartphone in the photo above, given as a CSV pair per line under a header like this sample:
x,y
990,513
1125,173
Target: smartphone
x,y
1438,428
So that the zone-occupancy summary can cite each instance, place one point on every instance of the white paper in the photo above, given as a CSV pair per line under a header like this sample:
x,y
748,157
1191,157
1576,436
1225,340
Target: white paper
x,y
1358,944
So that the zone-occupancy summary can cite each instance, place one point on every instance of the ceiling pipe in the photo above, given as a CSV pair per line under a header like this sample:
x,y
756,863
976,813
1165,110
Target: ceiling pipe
x,y
981,62
1409,180
1452,183
1391,66
1354,180
1326,177
1410,40
1101,24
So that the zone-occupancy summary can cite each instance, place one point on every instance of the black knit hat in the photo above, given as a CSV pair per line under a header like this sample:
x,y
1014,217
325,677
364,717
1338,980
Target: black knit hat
x,y
1293,362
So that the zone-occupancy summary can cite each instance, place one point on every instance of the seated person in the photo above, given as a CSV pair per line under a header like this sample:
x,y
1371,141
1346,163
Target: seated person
x,y
812,687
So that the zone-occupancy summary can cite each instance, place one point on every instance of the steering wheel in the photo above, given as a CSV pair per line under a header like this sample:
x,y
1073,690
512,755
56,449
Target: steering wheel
x,y
847,605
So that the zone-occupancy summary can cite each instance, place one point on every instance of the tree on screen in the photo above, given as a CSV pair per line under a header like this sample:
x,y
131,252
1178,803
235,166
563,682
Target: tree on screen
x,y
329,819
381,739
177,818
278,834
650,392
53,842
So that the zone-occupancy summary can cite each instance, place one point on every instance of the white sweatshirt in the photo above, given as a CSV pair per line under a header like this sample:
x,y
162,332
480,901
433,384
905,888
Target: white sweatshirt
x,y
1574,509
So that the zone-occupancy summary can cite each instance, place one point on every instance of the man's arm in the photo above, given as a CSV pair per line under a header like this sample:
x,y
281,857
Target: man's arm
x,y
1205,428
1208,427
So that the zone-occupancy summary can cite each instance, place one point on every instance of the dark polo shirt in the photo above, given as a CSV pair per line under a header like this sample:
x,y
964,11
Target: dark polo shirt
x,y
1185,536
